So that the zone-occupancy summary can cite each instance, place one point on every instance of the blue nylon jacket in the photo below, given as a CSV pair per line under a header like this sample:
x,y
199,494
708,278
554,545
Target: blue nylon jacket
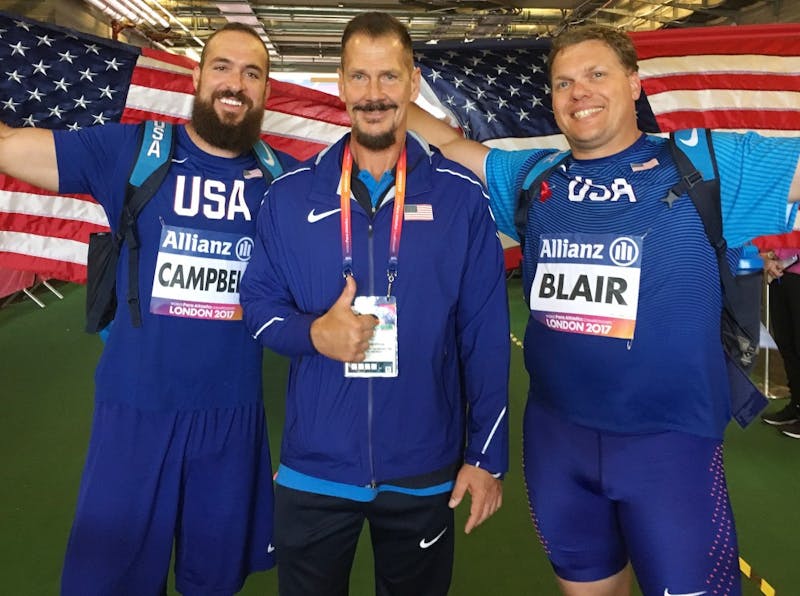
x,y
449,400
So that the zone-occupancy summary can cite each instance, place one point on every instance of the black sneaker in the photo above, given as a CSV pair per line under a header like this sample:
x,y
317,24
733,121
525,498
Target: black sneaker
x,y
791,430
788,415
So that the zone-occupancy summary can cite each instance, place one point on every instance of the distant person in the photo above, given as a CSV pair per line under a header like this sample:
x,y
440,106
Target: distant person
x,y
378,270
629,395
780,253
178,456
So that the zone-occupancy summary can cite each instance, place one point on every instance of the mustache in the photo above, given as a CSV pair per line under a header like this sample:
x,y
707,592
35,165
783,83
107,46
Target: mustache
x,y
376,106
238,95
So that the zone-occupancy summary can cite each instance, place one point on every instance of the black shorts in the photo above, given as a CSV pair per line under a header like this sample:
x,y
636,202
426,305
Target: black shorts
x,y
316,536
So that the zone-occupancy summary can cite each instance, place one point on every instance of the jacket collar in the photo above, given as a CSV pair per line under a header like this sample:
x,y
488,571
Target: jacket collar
x,y
327,170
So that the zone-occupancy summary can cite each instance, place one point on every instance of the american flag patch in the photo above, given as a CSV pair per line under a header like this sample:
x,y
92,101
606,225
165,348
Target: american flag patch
x,y
255,173
418,213
641,167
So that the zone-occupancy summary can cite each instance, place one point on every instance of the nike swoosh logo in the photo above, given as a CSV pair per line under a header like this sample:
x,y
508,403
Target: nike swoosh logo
x,y
668,593
690,142
270,548
315,217
427,543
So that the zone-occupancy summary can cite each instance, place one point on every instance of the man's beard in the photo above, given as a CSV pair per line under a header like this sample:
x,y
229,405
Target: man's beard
x,y
375,142
238,138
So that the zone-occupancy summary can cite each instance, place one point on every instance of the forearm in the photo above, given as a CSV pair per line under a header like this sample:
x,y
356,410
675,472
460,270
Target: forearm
x,y
30,155
469,154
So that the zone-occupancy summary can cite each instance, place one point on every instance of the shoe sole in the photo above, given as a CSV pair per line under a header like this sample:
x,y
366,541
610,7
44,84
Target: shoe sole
x,y
791,435
781,422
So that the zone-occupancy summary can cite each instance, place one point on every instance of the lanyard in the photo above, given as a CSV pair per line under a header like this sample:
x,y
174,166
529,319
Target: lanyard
x,y
397,217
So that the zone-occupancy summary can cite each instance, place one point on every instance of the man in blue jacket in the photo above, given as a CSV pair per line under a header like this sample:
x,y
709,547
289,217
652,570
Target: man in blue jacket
x,y
396,402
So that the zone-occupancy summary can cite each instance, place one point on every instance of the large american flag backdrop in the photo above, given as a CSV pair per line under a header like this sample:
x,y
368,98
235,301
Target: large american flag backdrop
x,y
61,79
743,77
732,78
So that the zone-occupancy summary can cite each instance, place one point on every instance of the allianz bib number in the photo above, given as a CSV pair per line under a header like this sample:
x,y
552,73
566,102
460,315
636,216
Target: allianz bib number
x,y
198,274
587,284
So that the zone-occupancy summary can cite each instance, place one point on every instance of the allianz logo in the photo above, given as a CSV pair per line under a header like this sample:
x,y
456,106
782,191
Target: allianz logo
x,y
622,251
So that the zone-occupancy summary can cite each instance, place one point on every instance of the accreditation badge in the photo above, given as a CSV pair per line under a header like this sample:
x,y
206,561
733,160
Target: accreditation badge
x,y
198,273
381,357
587,283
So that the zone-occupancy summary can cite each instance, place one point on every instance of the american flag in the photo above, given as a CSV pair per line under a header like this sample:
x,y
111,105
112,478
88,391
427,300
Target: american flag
x,y
419,212
743,77
56,78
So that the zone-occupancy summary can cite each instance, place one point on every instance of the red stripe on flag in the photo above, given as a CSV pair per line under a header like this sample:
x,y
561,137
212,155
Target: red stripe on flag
x,y
739,82
730,119
174,59
44,267
302,150
162,80
14,185
774,40
69,229
130,116
309,103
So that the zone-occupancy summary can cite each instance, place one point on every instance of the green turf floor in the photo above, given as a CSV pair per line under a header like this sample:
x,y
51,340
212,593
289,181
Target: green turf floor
x,y
46,376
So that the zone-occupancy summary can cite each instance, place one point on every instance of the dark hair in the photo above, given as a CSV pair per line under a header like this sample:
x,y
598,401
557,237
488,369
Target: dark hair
x,y
615,39
378,24
234,26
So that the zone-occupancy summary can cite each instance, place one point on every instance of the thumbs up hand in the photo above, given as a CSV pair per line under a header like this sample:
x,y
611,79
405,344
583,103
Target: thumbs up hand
x,y
340,333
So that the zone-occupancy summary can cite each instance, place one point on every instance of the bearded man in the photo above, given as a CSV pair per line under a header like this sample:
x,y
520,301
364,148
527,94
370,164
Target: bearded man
x,y
178,456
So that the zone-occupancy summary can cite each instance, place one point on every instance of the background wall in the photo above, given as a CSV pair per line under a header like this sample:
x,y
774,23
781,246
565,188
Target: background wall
x,y
772,11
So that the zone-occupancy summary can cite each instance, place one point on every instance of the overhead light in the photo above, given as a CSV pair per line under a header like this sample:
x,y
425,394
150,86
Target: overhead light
x,y
117,11
106,9
149,13
130,14
135,9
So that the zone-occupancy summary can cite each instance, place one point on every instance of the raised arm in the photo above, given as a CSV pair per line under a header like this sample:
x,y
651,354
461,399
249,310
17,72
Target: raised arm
x,y
469,154
30,155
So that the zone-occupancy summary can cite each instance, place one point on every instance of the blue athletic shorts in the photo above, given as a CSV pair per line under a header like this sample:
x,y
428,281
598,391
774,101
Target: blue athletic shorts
x,y
200,480
600,499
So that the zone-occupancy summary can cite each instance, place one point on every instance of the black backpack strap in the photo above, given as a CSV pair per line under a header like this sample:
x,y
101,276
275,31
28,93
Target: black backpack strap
x,y
532,186
148,174
704,191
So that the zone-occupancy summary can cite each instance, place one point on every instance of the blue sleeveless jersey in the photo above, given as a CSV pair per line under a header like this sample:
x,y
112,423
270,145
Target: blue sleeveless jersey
x,y
670,375
184,357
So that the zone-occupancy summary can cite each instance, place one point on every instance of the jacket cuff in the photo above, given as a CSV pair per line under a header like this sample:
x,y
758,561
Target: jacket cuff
x,y
291,337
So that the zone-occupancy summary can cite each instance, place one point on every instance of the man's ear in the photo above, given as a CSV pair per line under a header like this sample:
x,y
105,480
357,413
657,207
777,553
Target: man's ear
x,y
267,91
196,77
636,85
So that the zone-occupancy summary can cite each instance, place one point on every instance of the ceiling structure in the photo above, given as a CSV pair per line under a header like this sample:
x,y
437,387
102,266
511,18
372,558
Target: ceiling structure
x,y
304,35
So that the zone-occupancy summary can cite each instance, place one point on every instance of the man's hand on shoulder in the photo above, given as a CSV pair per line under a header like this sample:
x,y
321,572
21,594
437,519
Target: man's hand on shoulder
x,y
340,333
486,494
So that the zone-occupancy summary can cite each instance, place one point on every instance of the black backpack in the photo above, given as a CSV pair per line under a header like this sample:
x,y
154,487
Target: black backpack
x,y
693,153
153,161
